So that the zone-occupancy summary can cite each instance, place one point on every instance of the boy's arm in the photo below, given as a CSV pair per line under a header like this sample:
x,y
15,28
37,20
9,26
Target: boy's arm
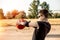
x,y
27,23
31,24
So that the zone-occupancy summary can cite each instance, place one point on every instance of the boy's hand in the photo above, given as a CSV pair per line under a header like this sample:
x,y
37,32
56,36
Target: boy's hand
x,y
20,24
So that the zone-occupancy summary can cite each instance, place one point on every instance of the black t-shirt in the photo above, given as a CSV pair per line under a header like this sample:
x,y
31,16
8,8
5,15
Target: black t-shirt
x,y
40,34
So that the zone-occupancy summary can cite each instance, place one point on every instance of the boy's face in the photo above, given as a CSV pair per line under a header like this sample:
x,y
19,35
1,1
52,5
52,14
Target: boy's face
x,y
41,16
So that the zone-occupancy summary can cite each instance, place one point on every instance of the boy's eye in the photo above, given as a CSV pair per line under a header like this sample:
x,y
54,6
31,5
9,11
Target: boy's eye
x,y
41,15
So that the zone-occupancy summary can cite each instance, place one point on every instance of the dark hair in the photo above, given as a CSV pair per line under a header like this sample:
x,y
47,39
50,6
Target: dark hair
x,y
44,12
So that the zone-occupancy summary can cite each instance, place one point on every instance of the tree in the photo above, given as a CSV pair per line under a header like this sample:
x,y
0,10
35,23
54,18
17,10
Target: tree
x,y
9,15
44,5
20,15
33,10
56,15
14,13
1,14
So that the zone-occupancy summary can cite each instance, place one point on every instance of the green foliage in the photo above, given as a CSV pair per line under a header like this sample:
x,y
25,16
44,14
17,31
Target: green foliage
x,y
56,15
50,15
34,9
44,5
31,16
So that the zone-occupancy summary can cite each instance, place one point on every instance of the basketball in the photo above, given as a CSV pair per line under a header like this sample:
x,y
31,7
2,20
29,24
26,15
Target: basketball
x,y
20,24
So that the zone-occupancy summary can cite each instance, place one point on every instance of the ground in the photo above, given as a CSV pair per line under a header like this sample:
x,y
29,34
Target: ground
x,y
12,33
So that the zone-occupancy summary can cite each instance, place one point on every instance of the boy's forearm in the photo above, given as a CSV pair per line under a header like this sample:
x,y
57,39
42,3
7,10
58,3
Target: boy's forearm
x,y
27,24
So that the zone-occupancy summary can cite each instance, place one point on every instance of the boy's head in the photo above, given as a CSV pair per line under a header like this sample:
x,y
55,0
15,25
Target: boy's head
x,y
44,13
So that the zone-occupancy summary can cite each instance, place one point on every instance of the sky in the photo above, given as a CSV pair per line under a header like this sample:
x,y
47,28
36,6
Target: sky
x,y
8,5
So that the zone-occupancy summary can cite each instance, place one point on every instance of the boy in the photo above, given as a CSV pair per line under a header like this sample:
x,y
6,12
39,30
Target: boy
x,y
42,26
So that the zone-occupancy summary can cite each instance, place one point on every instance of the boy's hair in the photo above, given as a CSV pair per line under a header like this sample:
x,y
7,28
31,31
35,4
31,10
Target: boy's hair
x,y
44,12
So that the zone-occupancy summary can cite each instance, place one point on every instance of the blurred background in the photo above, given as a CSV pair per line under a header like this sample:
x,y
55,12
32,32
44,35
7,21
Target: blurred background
x,y
12,10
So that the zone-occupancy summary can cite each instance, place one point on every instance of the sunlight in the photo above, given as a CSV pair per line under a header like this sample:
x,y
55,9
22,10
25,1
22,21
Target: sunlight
x,y
2,29
9,5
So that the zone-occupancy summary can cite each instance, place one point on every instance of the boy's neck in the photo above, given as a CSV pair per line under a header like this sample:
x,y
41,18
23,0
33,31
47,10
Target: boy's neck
x,y
44,20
